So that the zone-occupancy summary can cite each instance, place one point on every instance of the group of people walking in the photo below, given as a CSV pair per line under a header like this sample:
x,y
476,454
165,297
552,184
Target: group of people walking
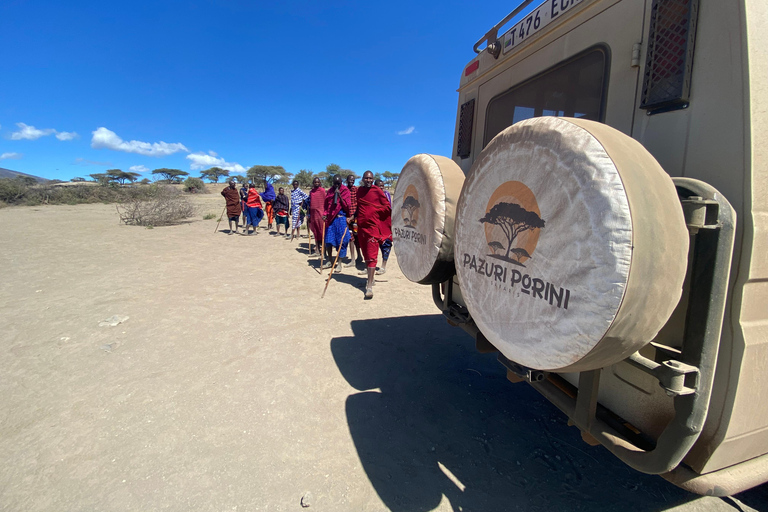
x,y
350,219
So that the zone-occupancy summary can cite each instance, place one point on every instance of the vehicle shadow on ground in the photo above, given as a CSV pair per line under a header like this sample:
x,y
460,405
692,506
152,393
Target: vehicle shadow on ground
x,y
435,418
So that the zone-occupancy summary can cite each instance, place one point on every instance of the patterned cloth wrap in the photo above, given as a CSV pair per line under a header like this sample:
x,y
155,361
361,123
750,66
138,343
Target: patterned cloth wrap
x,y
334,233
297,197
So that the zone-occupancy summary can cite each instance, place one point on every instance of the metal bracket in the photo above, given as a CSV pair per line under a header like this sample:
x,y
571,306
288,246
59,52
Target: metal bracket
x,y
699,213
521,371
455,313
671,374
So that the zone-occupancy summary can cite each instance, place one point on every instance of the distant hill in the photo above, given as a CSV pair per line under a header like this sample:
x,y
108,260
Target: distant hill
x,y
7,173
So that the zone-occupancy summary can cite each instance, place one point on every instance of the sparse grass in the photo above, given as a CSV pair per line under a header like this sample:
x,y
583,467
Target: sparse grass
x,y
209,216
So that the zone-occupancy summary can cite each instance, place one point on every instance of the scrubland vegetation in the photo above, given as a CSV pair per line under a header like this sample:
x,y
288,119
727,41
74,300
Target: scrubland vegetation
x,y
141,205
22,191
157,205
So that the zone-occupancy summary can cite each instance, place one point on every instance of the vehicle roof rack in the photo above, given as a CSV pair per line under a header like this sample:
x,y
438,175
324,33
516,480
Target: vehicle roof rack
x,y
493,35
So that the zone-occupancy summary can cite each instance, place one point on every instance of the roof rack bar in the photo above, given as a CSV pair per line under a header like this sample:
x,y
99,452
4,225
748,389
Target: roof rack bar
x,y
492,35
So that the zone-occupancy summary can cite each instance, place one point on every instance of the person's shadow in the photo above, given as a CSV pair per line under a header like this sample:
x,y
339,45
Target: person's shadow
x,y
437,419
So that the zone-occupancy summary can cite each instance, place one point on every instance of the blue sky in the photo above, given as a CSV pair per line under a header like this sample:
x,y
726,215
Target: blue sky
x,y
90,86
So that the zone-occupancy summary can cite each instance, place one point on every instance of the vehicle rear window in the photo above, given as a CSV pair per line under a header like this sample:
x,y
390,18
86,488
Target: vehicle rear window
x,y
574,88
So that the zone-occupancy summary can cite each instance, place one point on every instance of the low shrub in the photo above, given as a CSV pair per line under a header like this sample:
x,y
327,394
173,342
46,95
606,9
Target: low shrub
x,y
155,205
194,185
209,216
13,190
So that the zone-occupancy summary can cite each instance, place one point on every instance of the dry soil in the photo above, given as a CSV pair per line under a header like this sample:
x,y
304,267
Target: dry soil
x,y
233,386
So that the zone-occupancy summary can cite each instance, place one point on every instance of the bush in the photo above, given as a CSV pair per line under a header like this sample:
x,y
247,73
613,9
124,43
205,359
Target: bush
x,y
194,185
13,190
155,205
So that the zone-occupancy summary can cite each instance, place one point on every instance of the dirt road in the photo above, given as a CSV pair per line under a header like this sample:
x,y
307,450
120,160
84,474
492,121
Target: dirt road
x,y
233,386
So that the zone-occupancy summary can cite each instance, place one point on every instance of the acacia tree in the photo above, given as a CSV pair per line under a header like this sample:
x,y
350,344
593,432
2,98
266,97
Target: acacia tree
x,y
390,178
513,219
519,252
121,176
213,174
495,246
326,178
77,179
283,177
346,172
101,178
270,173
170,175
410,204
304,177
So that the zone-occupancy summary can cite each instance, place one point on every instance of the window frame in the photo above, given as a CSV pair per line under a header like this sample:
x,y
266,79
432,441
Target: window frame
x,y
601,47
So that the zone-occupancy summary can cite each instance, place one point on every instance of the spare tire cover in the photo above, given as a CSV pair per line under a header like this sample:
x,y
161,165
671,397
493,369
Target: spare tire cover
x,y
571,246
423,211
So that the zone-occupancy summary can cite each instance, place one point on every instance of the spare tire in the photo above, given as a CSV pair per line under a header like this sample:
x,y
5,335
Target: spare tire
x,y
571,246
423,211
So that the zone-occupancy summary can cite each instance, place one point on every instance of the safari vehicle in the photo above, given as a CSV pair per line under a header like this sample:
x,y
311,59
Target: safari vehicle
x,y
602,225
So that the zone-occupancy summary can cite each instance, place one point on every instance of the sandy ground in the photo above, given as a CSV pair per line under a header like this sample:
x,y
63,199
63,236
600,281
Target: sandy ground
x,y
233,386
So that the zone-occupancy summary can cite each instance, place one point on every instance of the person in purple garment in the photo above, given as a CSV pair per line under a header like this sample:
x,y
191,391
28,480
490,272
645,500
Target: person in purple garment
x,y
268,196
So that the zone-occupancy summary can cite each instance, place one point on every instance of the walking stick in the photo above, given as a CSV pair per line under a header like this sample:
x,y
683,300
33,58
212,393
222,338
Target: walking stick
x,y
322,250
338,252
309,237
220,217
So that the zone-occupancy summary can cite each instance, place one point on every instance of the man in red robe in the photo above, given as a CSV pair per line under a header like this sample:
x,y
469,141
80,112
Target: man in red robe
x,y
353,244
316,210
234,210
373,226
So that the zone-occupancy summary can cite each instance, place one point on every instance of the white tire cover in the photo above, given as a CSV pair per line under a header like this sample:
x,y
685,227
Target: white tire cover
x,y
571,245
423,212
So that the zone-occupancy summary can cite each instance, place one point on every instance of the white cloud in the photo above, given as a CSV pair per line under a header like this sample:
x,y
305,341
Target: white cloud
x,y
407,131
138,168
202,161
107,139
66,135
30,132
10,156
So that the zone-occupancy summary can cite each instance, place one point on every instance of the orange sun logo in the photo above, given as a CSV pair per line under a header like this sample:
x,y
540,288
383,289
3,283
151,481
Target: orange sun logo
x,y
512,223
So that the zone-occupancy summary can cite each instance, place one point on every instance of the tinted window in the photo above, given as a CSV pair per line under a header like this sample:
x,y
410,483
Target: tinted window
x,y
574,88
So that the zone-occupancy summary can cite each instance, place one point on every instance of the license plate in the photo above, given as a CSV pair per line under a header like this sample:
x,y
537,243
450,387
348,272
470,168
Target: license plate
x,y
539,18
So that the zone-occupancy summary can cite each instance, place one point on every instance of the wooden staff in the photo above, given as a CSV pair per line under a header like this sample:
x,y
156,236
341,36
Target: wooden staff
x,y
221,217
338,252
309,236
322,250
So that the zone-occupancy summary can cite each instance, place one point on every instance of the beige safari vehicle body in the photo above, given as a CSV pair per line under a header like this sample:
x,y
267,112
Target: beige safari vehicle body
x,y
688,81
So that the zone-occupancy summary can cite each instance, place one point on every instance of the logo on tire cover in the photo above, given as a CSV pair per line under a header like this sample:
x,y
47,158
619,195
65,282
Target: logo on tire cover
x,y
512,223
410,208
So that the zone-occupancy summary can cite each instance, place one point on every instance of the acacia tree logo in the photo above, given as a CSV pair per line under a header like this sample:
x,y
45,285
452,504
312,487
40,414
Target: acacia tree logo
x,y
513,219
410,208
